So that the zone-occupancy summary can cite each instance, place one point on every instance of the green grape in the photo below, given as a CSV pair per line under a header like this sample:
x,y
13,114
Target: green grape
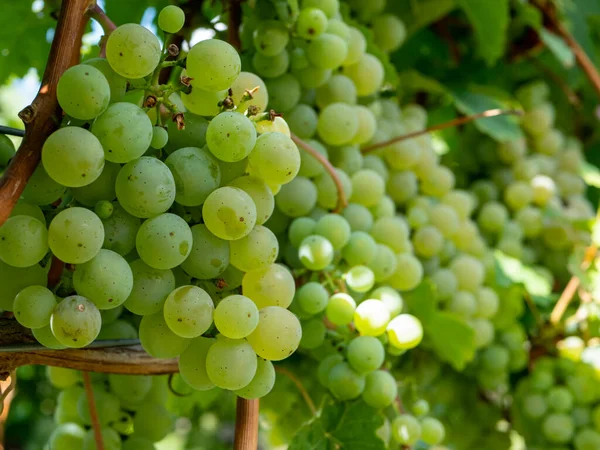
x,y
270,286
202,102
255,250
138,443
375,163
134,138
464,304
389,32
213,64
347,158
587,439
194,134
368,188
316,252
560,399
365,354
192,364
340,309
103,188
406,429
231,363
104,209
469,272
495,359
428,241
262,383
383,264
337,124
66,405
41,189
329,7
357,45
188,311
335,229
297,198
117,84
462,202
7,150
344,383
164,242
312,77
75,321
45,337
360,278
309,166
445,219
33,306
229,213
339,28
271,37
152,421
157,338
325,366
75,235
284,92
271,66
23,208
391,231
260,194
311,23
488,302
275,158
150,288
83,92
249,82
107,405
313,333
327,51
120,230
312,297
111,315
558,428
133,51
145,187
518,195
359,217
408,274
236,316
67,436
531,221
171,19
106,279
403,155
367,74
277,335
380,389
23,241
299,229
390,298
432,431
205,243
421,408
405,331
73,157
367,125
230,279
118,329
130,388
110,439
371,317
327,191
338,89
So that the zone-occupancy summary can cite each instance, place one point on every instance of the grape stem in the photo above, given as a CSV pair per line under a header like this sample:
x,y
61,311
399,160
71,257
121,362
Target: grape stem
x,y
569,292
246,424
303,392
442,126
43,116
342,200
98,14
89,393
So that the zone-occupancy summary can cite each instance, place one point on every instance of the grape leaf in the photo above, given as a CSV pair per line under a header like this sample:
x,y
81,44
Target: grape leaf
x,y
422,301
558,47
490,21
452,339
500,128
419,14
514,271
347,426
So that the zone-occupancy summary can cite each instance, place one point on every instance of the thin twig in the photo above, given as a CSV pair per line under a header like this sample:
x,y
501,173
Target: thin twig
x,y
246,424
567,295
342,200
303,392
89,393
106,23
11,131
234,21
442,126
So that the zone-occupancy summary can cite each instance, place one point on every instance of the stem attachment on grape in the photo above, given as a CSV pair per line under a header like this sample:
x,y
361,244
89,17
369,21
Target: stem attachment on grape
x,y
442,126
342,200
89,393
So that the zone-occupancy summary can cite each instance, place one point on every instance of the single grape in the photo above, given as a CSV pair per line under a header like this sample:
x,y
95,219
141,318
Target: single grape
x,y
271,37
229,213
270,286
117,83
337,124
133,51
192,364
236,316
23,208
67,436
390,298
164,241
340,309
275,158
558,428
231,363
213,64
152,421
406,429
365,354
101,189
106,279
75,321
130,388
33,306
260,193
344,383
120,230
380,389
367,74
23,241
45,337
432,431
313,333
359,217
327,51
41,189
312,297
189,311
408,274
391,231
297,198
194,134
262,383
73,157
405,331
150,288
75,235
157,338
256,250
316,252
277,335
171,19
389,31
104,209
202,102
271,66
384,263
371,318
110,439
83,92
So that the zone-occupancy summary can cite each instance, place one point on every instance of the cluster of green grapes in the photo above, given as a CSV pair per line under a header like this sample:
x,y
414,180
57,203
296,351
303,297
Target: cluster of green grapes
x,y
124,403
558,405
143,216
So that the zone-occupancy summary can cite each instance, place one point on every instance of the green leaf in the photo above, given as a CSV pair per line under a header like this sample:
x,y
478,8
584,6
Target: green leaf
x,y
417,14
415,81
490,21
345,425
452,339
500,128
558,47
513,270
590,174
422,301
